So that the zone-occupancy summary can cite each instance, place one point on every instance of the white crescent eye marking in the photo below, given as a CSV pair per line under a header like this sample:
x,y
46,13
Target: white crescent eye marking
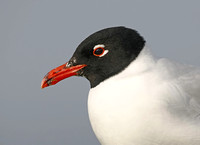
x,y
104,53
100,46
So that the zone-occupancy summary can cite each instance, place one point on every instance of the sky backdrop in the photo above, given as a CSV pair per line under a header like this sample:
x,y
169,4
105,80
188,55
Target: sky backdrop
x,y
38,35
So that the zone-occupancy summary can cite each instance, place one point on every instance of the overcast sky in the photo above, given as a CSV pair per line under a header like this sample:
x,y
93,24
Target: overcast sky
x,y
38,35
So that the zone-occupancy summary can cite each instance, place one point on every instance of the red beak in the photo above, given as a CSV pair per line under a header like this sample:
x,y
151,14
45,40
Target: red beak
x,y
60,73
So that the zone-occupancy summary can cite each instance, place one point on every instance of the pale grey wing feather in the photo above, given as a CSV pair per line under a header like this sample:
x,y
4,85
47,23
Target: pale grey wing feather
x,y
190,81
187,81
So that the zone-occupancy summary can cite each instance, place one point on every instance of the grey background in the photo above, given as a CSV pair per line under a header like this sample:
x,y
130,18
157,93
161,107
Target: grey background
x,y
38,35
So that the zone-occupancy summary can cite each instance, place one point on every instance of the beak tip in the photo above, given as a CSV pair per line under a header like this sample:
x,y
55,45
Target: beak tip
x,y
43,84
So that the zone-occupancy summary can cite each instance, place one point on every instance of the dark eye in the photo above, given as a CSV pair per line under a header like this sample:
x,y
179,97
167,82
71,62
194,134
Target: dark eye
x,y
98,51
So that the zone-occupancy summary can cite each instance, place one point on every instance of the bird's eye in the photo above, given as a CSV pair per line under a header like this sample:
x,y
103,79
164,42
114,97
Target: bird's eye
x,y
99,50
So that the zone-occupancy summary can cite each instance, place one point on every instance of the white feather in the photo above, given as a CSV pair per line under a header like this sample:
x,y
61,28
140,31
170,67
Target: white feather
x,y
152,102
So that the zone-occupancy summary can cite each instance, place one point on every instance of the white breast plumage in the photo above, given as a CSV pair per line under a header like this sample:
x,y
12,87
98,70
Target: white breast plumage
x,y
131,108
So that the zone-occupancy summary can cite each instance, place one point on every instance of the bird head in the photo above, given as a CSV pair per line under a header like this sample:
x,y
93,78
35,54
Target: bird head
x,y
100,56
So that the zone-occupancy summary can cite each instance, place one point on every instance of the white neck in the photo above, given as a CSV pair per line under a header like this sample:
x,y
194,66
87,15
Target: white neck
x,y
142,63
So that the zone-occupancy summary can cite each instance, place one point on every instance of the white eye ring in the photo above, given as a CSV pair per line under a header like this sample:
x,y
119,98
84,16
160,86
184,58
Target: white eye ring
x,y
102,47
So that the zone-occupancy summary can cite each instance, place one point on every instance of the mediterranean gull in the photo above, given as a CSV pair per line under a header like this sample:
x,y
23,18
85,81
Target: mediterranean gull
x,y
135,98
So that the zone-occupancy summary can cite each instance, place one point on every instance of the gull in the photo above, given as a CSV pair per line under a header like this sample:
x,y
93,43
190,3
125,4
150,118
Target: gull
x,y
135,98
